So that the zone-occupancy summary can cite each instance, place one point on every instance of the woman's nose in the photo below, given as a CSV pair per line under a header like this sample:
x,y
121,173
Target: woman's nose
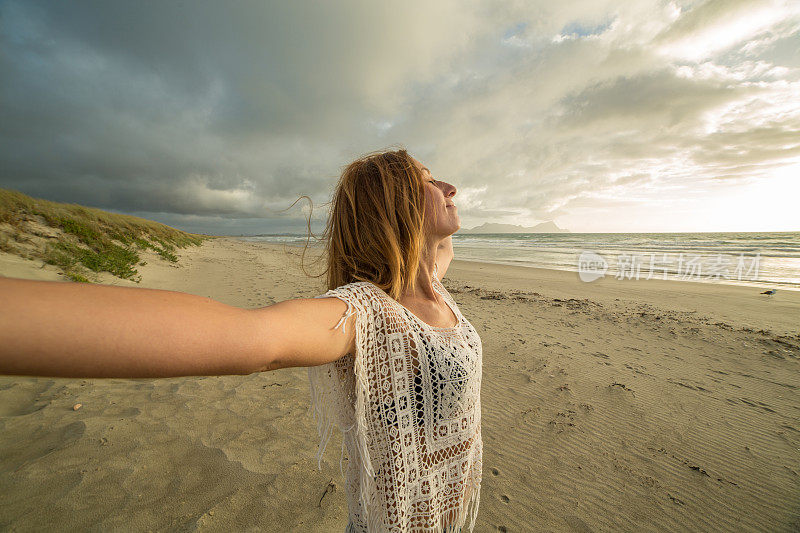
x,y
451,190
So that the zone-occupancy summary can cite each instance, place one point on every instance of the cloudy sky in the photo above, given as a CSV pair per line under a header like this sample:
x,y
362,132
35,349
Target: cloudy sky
x,y
603,116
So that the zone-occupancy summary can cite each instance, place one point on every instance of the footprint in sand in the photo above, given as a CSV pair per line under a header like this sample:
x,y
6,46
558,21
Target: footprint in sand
x,y
576,524
23,400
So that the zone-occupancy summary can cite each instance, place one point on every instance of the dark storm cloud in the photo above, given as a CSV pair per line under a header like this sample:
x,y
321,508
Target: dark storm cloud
x,y
169,106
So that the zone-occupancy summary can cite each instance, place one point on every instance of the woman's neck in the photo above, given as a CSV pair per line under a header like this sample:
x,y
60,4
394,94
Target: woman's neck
x,y
424,284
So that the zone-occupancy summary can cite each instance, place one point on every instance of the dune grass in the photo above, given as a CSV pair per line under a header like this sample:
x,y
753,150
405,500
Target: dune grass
x,y
88,239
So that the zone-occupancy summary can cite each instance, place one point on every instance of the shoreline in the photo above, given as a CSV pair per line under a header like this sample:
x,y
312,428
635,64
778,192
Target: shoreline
x,y
765,285
749,283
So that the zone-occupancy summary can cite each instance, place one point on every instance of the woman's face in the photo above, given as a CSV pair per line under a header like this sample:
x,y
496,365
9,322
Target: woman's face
x,y
441,214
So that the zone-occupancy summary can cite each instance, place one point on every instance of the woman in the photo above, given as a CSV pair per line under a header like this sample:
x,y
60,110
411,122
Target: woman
x,y
399,373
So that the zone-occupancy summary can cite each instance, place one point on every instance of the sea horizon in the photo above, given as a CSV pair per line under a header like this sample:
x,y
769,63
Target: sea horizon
x,y
759,259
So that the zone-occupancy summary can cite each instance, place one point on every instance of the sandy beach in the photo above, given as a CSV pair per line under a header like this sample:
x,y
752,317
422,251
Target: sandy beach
x,y
616,405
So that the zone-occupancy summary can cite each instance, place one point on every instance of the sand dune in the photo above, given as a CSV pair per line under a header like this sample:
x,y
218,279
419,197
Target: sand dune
x,y
613,405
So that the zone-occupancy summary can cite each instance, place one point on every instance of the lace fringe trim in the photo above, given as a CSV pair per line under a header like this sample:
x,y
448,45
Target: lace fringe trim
x,y
324,416
321,402
470,508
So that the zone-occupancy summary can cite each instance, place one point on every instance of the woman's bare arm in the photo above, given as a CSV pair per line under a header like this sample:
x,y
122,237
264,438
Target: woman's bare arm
x,y
79,330
301,331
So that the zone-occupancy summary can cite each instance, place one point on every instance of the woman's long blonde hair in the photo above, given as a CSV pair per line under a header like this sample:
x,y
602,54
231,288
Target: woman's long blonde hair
x,y
375,227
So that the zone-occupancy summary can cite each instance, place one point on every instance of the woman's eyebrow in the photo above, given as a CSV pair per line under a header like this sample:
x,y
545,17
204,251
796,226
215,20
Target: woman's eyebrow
x,y
426,168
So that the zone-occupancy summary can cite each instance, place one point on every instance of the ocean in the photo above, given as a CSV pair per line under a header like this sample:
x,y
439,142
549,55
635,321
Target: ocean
x,y
770,260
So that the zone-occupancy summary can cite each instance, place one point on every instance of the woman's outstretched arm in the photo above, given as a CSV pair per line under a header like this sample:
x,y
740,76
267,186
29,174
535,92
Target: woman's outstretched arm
x,y
79,330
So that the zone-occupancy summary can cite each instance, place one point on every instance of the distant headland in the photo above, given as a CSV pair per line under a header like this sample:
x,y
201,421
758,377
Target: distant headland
x,y
491,227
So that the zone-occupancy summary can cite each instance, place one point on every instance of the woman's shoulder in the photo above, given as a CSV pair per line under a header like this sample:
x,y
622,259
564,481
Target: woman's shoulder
x,y
347,290
361,294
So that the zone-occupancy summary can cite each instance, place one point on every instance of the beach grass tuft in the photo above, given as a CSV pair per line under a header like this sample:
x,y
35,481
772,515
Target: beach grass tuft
x,y
79,239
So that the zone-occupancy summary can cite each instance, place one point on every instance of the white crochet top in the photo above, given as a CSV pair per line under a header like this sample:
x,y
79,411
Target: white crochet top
x,y
408,405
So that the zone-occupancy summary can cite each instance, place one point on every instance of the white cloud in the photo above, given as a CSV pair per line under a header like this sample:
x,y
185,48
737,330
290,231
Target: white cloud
x,y
716,25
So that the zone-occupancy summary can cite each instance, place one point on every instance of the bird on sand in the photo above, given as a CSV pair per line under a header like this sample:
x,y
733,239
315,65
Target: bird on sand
x,y
770,292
